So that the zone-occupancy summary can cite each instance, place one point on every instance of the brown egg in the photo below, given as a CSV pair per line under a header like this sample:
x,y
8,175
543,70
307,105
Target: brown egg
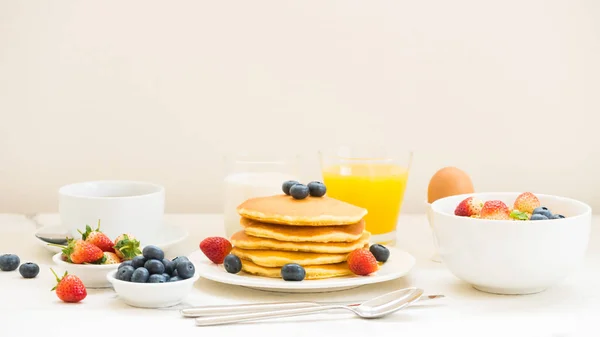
x,y
449,181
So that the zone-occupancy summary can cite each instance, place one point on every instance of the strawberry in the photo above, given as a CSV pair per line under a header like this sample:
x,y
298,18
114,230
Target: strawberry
x,y
111,258
79,251
362,262
468,207
127,247
97,238
69,288
215,248
527,202
494,210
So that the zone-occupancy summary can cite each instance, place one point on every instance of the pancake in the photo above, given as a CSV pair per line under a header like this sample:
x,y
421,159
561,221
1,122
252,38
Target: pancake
x,y
274,258
313,272
347,233
245,241
285,210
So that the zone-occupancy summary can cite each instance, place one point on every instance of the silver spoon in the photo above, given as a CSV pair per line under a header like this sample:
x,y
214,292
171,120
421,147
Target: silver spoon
x,y
56,239
377,307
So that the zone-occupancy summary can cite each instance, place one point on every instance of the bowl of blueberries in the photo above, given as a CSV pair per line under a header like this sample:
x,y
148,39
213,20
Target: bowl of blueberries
x,y
152,281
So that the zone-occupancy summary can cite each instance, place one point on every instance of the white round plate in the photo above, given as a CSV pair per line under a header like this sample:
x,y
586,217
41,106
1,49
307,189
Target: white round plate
x,y
398,265
164,239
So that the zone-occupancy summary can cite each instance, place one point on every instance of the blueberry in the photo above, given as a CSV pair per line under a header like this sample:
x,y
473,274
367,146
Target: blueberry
x,y
140,275
29,270
9,262
179,259
155,266
299,191
316,189
381,253
153,252
538,216
185,269
157,278
232,264
126,263
124,273
169,266
557,216
174,273
168,276
293,272
287,185
138,261
543,211
174,279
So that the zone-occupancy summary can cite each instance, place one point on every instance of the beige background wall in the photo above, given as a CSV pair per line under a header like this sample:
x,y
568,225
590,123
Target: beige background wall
x,y
160,91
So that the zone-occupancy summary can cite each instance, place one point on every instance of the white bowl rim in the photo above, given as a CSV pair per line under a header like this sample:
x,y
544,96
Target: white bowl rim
x,y
59,261
159,189
112,279
435,207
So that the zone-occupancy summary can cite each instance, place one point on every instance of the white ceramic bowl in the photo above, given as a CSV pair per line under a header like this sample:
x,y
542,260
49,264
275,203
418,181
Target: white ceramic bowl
x,y
92,276
152,295
512,257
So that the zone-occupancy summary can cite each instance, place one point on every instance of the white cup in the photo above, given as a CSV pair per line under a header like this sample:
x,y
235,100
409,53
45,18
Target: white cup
x,y
120,206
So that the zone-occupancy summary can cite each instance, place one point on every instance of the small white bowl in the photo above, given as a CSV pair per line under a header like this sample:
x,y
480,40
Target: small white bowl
x,y
512,257
152,295
92,276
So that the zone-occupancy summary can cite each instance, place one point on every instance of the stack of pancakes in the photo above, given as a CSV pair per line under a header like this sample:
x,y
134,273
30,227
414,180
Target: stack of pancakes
x,y
316,233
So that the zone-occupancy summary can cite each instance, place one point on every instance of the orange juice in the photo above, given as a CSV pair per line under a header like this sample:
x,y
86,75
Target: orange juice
x,y
378,187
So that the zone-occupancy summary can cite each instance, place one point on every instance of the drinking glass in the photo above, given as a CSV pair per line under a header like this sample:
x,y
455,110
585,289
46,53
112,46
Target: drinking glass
x,y
371,178
250,176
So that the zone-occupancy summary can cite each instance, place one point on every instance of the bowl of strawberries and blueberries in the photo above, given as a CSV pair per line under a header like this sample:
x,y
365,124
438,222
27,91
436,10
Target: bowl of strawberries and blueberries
x,y
526,206
361,262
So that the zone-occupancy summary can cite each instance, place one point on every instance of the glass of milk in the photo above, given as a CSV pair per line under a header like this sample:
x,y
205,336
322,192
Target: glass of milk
x,y
249,177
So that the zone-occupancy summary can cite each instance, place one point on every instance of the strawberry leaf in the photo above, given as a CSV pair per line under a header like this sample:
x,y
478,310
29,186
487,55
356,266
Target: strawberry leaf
x,y
518,215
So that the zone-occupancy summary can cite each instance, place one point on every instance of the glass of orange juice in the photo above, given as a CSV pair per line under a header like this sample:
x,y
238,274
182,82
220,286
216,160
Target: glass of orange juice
x,y
371,178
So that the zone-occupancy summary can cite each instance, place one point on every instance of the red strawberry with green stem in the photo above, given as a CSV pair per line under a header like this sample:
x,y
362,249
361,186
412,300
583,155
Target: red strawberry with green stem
x,y
97,238
79,252
69,288
127,247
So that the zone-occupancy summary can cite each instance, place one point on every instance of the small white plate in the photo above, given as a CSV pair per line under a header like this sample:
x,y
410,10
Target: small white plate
x,y
167,237
398,265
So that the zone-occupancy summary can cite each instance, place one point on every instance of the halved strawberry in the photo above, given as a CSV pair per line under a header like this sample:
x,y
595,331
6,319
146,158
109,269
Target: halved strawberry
x,y
468,207
526,202
362,262
215,248
494,210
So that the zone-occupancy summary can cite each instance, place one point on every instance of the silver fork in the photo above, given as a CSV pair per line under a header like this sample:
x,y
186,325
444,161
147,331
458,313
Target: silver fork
x,y
230,309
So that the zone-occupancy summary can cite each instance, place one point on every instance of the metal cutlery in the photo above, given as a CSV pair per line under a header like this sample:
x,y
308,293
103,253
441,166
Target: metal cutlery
x,y
374,308
230,309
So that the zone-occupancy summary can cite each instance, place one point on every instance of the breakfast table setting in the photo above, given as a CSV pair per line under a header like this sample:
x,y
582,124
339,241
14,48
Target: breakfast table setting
x,y
294,258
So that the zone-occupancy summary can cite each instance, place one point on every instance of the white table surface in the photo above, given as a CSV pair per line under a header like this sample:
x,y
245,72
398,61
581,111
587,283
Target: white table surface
x,y
571,308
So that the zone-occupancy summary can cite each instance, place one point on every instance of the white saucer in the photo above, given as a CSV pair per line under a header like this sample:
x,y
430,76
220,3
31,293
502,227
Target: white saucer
x,y
165,238
399,264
